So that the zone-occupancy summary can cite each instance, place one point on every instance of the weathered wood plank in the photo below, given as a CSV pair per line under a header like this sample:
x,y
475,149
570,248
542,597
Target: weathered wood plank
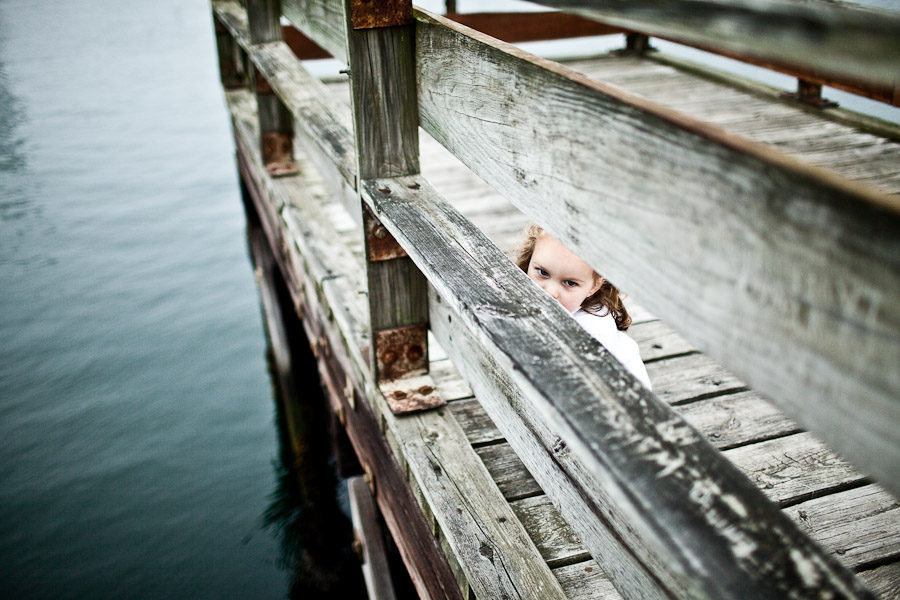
x,y
754,111
367,531
477,424
884,581
737,419
861,526
833,39
797,262
586,581
526,346
322,298
493,548
508,471
794,468
657,340
385,126
688,378
555,539
322,21
321,127
517,562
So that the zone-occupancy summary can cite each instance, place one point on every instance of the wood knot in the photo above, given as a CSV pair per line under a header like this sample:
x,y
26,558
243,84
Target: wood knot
x,y
486,551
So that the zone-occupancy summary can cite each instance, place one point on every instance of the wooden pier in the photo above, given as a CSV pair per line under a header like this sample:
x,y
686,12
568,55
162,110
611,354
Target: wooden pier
x,y
758,236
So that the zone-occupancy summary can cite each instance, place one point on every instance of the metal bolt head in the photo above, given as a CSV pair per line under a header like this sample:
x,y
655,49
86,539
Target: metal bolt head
x,y
414,352
380,232
389,357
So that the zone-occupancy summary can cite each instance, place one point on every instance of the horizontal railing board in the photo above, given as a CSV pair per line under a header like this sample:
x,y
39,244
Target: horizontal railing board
x,y
859,525
322,21
826,37
527,348
321,126
756,256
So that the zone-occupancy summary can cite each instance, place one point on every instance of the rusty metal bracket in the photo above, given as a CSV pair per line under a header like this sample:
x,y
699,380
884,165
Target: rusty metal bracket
x,y
278,154
401,351
411,394
809,93
380,244
370,14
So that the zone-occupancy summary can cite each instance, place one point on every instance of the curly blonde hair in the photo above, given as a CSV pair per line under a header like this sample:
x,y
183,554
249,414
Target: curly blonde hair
x,y
607,297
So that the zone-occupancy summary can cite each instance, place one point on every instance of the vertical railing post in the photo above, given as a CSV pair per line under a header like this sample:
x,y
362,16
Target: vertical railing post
x,y
230,66
275,120
380,52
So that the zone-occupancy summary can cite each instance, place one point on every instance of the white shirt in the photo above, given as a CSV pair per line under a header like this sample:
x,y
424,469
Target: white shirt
x,y
603,328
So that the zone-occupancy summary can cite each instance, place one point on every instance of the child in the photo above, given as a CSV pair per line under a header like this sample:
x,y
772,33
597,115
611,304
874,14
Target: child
x,y
593,301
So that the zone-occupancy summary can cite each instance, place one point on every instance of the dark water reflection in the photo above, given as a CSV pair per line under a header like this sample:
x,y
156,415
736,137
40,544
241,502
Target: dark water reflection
x,y
139,438
308,510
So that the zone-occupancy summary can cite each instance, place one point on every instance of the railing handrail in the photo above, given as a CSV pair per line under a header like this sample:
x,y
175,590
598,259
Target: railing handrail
x,y
630,464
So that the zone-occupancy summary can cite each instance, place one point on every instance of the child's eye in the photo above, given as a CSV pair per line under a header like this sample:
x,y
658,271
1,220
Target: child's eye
x,y
570,283
542,272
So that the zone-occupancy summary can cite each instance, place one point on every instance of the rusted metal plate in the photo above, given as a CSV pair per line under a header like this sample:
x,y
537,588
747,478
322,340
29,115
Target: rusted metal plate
x,y
380,244
411,394
369,14
401,351
278,154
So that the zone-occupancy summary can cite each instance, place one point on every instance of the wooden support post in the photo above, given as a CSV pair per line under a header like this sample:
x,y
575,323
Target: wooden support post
x,y
368,541
275,120
380,53
809,92
230,67
637,43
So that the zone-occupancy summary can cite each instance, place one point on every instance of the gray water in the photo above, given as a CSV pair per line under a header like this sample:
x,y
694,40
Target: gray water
x,y
138,445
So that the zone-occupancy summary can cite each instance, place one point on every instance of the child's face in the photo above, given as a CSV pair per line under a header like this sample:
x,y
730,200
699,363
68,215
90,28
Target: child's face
x,y
561,273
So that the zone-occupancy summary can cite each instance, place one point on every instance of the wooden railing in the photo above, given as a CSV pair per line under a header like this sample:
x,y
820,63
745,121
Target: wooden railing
x,y
785,273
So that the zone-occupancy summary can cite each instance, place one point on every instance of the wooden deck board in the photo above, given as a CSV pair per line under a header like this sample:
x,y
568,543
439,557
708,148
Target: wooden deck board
x,y
820,490
869,158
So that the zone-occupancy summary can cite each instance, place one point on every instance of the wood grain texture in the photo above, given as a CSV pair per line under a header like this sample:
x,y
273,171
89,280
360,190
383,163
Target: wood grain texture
x,y
322,128
320,280
861,526
385,127
794,468
586,581
488,548
493,548
367,531
575,416
884,581
784,273
264,20
821,36
737,419
551,534
322,21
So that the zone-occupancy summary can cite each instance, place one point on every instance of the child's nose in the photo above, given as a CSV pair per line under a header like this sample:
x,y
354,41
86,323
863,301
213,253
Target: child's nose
x,y
552,288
